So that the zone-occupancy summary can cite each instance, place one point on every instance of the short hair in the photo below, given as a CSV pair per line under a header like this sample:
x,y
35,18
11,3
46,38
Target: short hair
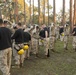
x,y
74,24
37,27
19,24
1,21
67,25
5,22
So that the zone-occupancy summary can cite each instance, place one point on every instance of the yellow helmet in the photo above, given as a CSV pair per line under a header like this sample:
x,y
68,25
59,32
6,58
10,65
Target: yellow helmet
x,y
26,47
62,34
21,51
42,40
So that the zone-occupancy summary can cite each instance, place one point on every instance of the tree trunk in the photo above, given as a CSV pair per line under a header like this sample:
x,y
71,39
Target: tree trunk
x,y
54,12
63,19
30,11
48,11
24,13
74,19
39,12
33,11
44,13
16,11
0,13
71,15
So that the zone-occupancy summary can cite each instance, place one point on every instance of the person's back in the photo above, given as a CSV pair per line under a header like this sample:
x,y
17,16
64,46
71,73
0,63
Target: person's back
x,y
61,30
74,31
5,38
46,29
41,34
18,35
5,49
74,37
27,37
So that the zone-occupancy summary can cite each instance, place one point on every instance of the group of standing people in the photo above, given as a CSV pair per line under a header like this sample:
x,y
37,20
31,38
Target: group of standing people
x,y
65,34
12,42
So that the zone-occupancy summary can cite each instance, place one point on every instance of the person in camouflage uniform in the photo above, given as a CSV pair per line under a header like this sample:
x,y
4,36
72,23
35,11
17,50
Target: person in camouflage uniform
x,y
27,40
57,32
18,36
5,49
35,44
31,42
66,36
52,38
61,32
44,35
74,37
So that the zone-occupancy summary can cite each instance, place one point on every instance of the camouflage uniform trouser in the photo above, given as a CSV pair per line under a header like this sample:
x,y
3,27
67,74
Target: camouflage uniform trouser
x,y
66,38
74,42
35,46
27,52
46,45
52,42
5,61
57,35
18,58
61,38
41,42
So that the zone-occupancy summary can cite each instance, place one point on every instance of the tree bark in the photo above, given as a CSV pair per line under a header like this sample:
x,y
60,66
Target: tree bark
x,y
38,12
33,11
44,13
63,15
48,11
54,12
71,15
74,19
30,12
24,13
16,11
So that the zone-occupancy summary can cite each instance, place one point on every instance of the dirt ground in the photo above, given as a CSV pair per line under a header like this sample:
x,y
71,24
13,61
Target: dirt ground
x,y
61,62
